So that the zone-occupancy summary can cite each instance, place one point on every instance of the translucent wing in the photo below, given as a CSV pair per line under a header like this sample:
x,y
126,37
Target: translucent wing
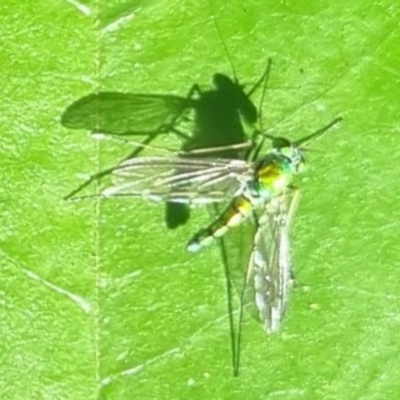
x,y
122,114
257,264
179,179
269,272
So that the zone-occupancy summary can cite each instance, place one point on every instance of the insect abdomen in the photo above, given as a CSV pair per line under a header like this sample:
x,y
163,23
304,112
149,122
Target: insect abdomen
x,y
237,211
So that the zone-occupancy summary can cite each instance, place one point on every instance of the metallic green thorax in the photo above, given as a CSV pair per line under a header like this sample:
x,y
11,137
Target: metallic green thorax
x,y
272,176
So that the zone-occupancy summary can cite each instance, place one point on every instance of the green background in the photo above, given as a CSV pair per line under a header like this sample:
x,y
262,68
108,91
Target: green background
x,y
99,301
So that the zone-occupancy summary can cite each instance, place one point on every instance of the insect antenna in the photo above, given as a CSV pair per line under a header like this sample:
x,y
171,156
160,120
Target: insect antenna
x,y
310,138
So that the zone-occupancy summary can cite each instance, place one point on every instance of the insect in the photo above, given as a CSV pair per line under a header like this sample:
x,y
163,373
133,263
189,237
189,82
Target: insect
x,y
262,197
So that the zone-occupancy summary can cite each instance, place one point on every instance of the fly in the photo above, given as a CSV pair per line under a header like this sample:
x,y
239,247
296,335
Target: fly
x,y
263,198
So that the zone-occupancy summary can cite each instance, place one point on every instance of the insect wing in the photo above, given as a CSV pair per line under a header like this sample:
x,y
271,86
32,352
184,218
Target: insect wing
x,y
179,179
269,272
257,267
125,114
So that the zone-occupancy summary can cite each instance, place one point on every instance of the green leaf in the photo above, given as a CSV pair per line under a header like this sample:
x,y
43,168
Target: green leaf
x,y
100,301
